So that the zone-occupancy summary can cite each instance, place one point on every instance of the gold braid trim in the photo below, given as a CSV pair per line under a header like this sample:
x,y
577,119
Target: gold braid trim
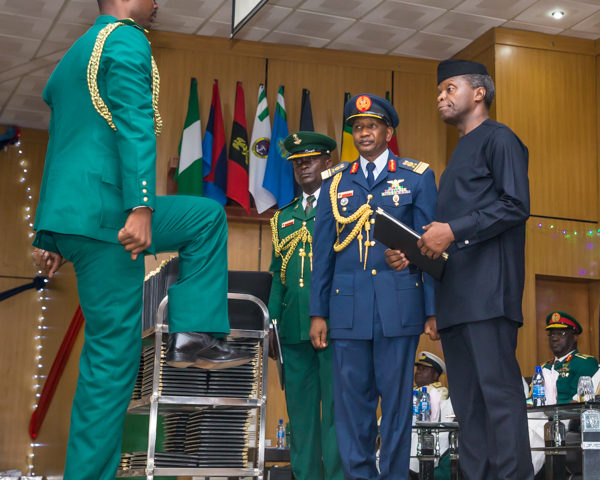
x,y
361,217
288,246
92,80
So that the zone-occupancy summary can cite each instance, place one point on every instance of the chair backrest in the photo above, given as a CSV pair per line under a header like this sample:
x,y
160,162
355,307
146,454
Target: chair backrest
x,y
244,314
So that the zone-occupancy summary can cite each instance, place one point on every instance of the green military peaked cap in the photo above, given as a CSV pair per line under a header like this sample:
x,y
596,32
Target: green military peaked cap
x,y
306,144
558,319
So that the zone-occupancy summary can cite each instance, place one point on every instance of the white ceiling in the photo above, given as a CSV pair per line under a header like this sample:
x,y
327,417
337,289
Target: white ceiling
x,y
34,34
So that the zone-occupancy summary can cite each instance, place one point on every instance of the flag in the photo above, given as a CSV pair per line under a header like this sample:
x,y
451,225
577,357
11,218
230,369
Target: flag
x,y
189,171
393,143
349,153
259,149
215,159
306,118
279,176
237,162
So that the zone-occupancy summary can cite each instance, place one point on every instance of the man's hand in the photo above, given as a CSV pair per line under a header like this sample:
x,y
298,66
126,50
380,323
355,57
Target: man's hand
x,y
136,235
436,239
396,259
49,262
431,328
318,332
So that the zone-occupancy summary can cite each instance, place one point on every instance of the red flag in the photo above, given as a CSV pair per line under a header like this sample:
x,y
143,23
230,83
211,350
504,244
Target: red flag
x,y
393,143
237,162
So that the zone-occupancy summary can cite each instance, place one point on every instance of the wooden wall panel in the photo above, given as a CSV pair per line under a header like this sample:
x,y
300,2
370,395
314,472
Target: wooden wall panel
x,y
546,99
421,134
16,244
327,84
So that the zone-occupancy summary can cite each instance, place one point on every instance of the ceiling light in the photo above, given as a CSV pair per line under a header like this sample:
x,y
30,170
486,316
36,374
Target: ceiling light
x,y
557,14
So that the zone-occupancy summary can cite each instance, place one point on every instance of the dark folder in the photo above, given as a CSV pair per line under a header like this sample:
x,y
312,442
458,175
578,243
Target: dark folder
x,y
397,236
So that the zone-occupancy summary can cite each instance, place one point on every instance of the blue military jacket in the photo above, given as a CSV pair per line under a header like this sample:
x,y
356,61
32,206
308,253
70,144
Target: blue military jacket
x,y
345,288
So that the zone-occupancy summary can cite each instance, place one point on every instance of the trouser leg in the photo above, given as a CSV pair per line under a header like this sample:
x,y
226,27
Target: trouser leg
x,y
332,463
110,292
197,228
394,359
303,397
355,407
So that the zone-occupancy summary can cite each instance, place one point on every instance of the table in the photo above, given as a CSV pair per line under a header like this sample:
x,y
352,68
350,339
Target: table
x,y
428,447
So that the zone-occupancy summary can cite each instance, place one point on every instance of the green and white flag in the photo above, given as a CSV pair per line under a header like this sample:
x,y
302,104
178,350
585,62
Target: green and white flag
x,y
189,171
259,150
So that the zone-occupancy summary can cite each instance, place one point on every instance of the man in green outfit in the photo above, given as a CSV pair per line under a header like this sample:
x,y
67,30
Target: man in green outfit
x,y
562,373
98,209
308,372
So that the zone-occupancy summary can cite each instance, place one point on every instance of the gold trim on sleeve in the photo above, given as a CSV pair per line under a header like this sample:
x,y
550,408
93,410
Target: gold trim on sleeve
x,y
92,80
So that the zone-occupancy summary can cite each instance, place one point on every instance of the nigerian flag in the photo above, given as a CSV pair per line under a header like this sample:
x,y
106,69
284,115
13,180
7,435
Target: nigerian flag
x,y
189,171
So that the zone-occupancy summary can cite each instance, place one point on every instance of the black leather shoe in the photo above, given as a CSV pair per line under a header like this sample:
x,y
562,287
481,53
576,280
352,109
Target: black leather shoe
x,y
202,350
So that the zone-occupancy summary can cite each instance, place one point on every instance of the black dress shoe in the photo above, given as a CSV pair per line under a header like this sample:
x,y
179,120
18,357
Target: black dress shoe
x,y
202,350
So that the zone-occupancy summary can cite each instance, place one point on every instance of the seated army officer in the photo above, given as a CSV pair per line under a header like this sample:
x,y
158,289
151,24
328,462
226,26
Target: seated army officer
x,y
562,373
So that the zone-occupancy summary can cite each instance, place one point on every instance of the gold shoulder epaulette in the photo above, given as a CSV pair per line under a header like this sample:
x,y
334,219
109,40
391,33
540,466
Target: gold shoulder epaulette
x,y
330,172
583,355
413,165
92,77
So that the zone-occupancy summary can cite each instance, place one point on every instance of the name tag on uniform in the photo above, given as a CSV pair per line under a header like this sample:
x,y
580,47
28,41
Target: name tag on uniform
x,y
347,193
288,223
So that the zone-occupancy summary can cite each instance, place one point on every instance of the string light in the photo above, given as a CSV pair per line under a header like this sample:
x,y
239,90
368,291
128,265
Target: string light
x,y
43,298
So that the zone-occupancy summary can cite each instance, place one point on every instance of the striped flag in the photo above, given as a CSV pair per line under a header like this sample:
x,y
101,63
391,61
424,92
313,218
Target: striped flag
x,y
237,162
215,159
348,152
279,176
259,149
189,171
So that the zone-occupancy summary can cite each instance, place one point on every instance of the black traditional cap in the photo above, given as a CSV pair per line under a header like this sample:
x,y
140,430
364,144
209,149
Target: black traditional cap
x,y
455,67
558,319
368,105
428,359
307,144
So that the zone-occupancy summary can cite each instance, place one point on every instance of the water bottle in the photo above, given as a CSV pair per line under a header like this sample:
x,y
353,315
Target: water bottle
x,y
416,410
425,405
280,434
538,395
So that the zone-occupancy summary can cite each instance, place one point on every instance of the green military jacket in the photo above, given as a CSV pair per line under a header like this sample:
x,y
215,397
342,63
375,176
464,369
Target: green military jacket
x,y
288,302
569,370
94,175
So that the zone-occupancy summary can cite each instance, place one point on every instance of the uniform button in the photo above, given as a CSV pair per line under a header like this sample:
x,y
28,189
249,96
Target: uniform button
x,y
466,242
369,196
373,272
144,190
144,183
145,199
373,221
304,224
337,291
372,243
417,284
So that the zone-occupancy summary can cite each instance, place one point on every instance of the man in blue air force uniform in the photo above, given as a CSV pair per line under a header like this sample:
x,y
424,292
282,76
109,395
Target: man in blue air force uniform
x,y
375,313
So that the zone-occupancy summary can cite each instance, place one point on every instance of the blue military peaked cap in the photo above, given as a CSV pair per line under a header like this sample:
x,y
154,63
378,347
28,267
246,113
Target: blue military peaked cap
x,y
369,105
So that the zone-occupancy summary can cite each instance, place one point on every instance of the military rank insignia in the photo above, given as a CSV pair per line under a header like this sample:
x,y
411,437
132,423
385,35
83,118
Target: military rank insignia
x,y
288,223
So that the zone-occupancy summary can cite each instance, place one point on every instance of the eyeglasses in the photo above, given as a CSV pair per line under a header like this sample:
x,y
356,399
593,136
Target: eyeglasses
x,y
557,333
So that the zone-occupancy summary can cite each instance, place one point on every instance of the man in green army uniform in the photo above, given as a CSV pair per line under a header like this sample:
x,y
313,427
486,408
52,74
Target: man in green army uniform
x,y
308,372
568,364
98,209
